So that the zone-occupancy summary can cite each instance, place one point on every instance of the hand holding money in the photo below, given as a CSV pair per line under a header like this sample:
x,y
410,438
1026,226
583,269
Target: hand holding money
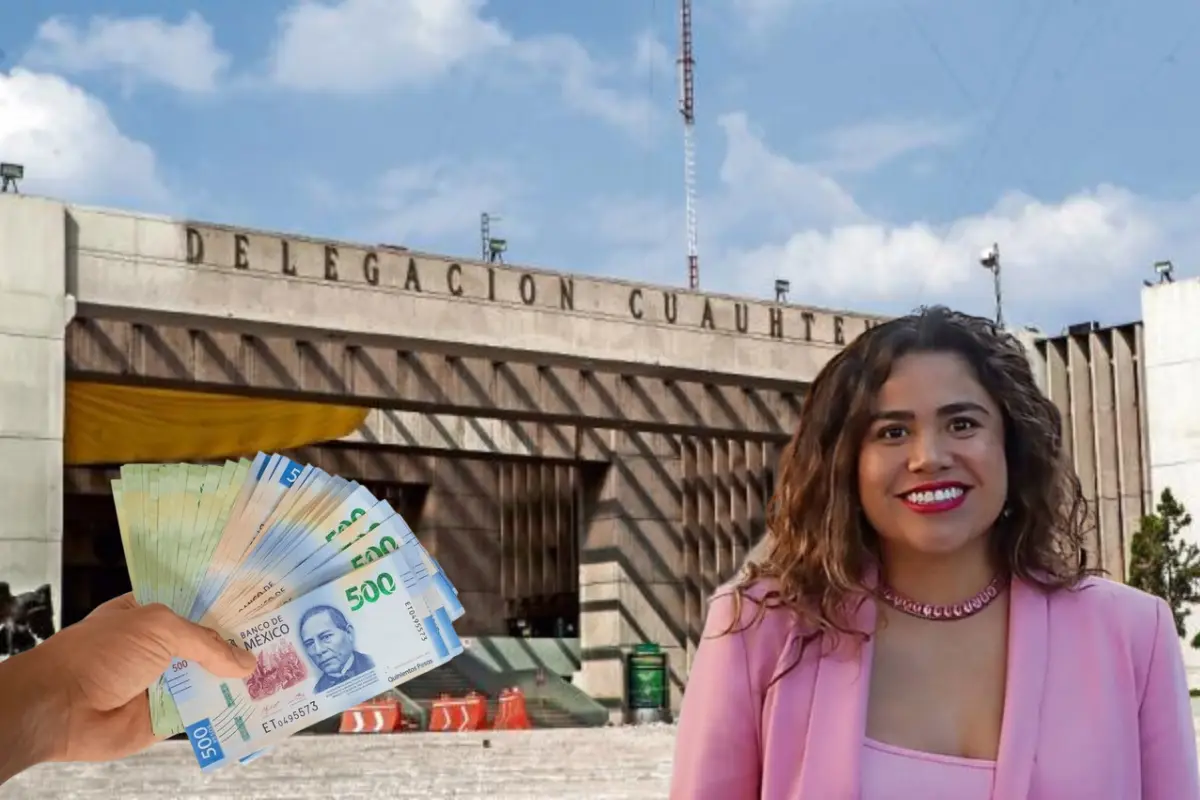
x,y
87,684
325,585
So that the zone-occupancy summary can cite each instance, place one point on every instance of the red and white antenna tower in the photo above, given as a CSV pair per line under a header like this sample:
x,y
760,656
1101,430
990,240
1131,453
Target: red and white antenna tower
x,y
687,108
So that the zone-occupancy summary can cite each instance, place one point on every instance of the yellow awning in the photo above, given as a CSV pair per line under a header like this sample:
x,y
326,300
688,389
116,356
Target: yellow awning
x,y
112,424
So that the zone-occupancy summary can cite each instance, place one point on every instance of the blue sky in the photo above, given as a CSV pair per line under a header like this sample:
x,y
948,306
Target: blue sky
x,y
867,150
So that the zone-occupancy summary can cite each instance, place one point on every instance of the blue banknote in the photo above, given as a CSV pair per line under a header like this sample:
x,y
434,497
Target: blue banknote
x,y
329,650
375,534
231,545
293,546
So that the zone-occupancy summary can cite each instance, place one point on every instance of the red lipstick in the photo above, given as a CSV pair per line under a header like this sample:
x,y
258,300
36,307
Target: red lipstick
x,y
935,497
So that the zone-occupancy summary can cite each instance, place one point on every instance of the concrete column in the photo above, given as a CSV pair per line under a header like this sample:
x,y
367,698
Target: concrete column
x,y
723,510
693,591
1034,354
739,499
1111,553
630,575
710,577
34,310
1083,427
460,526
1171,359
756,497
1132,460
1058,389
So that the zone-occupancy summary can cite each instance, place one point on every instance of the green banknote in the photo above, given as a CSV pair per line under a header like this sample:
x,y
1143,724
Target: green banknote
x,y
226,544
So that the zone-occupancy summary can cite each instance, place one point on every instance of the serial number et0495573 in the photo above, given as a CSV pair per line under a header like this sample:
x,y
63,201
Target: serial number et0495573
x,y
276,723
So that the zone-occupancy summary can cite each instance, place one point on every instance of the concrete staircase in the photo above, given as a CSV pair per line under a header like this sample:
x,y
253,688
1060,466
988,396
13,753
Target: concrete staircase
x,y
446,679
552,703
542,669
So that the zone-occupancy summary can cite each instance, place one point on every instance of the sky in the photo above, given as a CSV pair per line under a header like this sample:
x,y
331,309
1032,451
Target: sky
x,y
866,150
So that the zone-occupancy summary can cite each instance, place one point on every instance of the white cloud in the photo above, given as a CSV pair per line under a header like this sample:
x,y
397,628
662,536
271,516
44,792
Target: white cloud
x,y
1081,257
652,57
867,146
442,200
586,84
1064,260
759,16
370,46
771,192
434,205
364,46
182,56
634,222
70,146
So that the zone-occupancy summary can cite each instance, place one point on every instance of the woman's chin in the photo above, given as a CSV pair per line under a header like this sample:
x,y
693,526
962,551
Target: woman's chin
x,y
940,544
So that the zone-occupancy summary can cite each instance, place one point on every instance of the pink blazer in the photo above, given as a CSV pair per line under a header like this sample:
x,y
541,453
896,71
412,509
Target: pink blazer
x,y
1096,706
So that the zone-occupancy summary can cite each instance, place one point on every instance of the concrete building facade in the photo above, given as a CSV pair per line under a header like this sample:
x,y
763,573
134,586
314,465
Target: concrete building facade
x,y
34,310
590,451
1095,376
1130,399
1172,366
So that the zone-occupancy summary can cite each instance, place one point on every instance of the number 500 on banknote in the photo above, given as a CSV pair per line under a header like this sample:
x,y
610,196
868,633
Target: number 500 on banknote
x,y
329,650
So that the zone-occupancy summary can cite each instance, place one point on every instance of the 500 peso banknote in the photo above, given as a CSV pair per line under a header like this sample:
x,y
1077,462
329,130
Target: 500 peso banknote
x,y
318,655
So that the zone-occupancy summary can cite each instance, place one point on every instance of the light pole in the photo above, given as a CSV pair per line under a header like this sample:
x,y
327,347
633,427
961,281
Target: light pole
x,y
990,260
1165,271
492,248
782,287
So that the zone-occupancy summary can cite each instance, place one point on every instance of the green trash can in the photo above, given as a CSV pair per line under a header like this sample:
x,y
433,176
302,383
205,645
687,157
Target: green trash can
x,y
647,692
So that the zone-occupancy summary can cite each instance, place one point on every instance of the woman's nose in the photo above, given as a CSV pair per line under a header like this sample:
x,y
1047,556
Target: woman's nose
x,y
928,454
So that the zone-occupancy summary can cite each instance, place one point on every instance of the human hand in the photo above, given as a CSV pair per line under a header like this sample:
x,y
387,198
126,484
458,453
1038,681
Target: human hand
x,y
92,677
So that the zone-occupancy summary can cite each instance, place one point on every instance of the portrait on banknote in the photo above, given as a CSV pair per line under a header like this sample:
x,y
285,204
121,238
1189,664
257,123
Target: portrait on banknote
x,y
329,640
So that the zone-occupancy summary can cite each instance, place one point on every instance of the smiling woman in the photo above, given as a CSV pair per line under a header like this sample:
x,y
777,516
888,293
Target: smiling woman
x,y
920,624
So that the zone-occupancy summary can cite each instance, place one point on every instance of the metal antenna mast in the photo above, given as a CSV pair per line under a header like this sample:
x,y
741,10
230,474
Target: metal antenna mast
x,y
687,108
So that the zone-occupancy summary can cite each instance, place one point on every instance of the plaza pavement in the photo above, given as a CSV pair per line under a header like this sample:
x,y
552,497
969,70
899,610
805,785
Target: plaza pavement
x,y
629,763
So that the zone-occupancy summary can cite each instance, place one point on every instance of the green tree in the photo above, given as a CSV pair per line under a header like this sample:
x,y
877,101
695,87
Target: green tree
x,y
1164,564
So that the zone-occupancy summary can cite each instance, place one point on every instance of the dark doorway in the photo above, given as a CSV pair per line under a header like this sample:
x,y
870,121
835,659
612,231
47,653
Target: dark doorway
x,y
93,559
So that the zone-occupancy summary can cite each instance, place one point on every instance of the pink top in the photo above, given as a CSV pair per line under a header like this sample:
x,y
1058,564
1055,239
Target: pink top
x,y
1093,670
896,773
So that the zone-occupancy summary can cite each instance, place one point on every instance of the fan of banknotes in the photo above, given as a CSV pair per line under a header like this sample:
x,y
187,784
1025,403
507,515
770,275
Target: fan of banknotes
x,y
324,583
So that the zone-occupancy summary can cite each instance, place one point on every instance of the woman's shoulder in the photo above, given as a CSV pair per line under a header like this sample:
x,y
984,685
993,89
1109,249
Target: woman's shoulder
x,y
1128,613
744,601
752,611
1111,599
747,621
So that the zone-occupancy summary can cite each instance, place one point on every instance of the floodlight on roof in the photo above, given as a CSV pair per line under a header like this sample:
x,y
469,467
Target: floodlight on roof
x,y
9,175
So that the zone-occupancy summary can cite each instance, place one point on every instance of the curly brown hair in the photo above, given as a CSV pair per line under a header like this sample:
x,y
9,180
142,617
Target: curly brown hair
x,y
819,546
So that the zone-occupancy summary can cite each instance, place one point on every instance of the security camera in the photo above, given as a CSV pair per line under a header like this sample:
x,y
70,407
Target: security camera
x,y
991,257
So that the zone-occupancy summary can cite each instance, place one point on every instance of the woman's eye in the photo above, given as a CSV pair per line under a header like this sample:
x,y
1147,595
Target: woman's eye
x,y
892,432
963,424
